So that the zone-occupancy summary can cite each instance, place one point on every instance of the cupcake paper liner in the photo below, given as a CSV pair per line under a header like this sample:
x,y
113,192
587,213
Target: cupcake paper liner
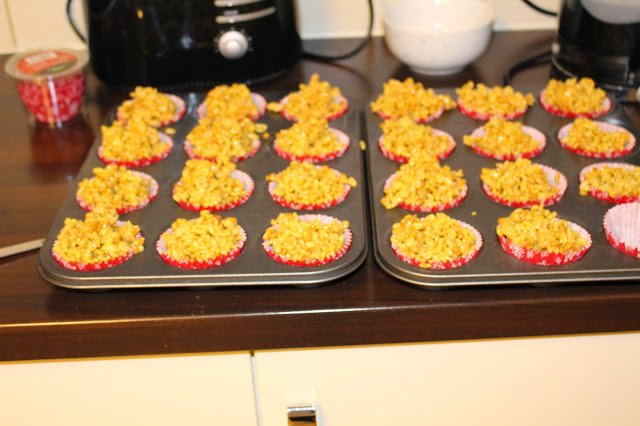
x,y
328,117
161,248
180,112
402,159
257,99
622,228
153,192
449,264
570,114
420,120
255,147
425,209
545,258
141,162
605,127
603,195
248,185
486,115
313,262
551,173
303,206
534,133
342,137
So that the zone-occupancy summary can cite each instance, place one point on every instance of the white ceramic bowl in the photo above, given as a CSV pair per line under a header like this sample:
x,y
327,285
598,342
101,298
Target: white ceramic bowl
x,y
437,37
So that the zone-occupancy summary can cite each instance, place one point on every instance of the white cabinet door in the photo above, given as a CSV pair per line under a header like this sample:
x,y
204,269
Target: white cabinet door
x,y
576,380
193,390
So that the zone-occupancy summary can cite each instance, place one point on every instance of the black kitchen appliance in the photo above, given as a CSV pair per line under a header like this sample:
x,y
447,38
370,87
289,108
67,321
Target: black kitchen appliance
x,y
183,43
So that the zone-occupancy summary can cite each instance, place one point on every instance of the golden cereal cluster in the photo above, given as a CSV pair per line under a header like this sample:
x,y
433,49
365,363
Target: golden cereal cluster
x,y
305,240
307,183
519,181
405,137
316,99
114,187
615,181
309,137
148,104
208,184
495,100
432,238
409,98
130,141
423,182
503,137
224,137
578,96
99,238
232,101
585,134
539,229
207,237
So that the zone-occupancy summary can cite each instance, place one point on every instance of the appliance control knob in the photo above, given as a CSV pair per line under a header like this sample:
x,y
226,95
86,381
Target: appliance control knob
x,y
233,44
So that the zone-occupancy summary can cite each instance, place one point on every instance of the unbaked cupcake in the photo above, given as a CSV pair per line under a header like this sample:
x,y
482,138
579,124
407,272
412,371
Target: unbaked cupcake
x,y
118,188
596,139
205,242
622,227
435,241
312,140
482,103
151,106
612,182
575,98
502,139
232,101
224,138
403,138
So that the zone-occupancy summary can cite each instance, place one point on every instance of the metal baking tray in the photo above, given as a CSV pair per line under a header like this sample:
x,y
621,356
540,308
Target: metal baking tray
x,y
252,266
493,266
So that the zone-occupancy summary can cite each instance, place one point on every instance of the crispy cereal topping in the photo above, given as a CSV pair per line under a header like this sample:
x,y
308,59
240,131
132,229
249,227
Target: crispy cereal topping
x,y
224,138
578,96
405,137
132,141
503,137
307,183
232,101
208,184
615,181
496,100
99,238
433,238
423,182
308,137
302,240
316,99
409,98
585,134
519,181
150,105
539,229
207,237
114,187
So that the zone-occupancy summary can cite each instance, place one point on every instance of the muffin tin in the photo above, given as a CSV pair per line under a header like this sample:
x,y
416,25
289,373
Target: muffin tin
x,y
252,266
493,266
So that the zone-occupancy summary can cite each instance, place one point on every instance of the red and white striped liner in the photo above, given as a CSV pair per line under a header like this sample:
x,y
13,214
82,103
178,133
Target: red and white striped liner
x,y
487,115
153,192
257,99
606,104
622,228
551,173
425,209
342,137
402,159
255,147
449,264
420,120
536,134
180,111
141,162
329,117
604,127
603,195
271,187
348,237
161,248
247,183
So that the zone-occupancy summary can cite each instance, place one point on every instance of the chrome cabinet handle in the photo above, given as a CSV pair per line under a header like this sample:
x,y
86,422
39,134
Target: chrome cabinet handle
x,y
301,415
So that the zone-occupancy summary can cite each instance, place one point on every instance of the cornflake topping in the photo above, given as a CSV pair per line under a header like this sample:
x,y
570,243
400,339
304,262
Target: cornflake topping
x,y
208,184
114,187
232,101
148,104
519,181
615,181
539,229
315,99
503,137
585,134
578,96
410,98
405,137
99,238
497,100
308,137
130,141
433,238
224,138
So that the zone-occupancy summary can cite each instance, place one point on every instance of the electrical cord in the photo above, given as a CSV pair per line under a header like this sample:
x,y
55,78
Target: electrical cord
x,y
540,9
540,58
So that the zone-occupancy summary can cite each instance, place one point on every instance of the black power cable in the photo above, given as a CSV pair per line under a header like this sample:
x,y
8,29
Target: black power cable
x,y
540,58
539,9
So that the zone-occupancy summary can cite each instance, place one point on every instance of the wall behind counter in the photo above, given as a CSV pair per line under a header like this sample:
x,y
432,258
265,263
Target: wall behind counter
x,y
26,24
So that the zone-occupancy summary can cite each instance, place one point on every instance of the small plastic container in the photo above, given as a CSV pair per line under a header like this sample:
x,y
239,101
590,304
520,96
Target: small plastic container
x,y
50,82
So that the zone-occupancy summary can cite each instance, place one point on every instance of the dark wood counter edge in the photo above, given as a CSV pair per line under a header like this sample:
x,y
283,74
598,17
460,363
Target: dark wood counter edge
x,y
41,321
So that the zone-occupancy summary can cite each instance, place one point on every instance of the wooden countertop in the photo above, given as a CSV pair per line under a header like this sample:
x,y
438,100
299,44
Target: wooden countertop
x,y
41,321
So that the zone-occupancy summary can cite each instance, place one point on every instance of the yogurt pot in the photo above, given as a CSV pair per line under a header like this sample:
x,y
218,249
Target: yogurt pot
x,y
50,82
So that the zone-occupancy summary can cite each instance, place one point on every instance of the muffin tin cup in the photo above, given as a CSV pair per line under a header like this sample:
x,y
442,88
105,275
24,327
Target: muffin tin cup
x,y
551,173
429,209
329,117
319,158
153,193
404,159
247,183
605,127
255,147
181,109
606,104
437,114
536,134
258,100
141,162
604,195
622,228
479,115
